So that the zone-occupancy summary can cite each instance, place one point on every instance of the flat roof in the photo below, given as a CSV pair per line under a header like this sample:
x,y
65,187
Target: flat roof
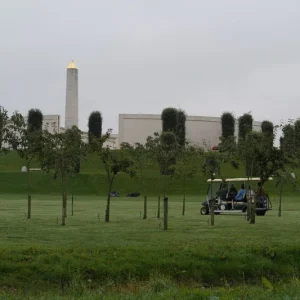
x,y
237,179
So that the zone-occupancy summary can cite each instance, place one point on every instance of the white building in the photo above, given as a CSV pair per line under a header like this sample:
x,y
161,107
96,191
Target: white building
x,y
200,130
133,128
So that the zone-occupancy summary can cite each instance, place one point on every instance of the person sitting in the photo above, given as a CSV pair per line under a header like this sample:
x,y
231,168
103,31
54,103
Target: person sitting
x,y
223,192
241,194
250,192
260,194
232,192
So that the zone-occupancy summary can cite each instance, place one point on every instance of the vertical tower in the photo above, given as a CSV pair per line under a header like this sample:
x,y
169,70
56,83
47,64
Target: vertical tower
x,y
71,113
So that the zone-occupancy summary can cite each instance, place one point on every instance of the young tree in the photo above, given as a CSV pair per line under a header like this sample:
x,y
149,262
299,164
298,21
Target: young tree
x,y
211,167
35,120
288,141
4,130
60,153
163,149
228,125
297,134
95,125
267,129
283,177
114,162
140,157
290,154
245,125
255,151
181,129
27,141
186,166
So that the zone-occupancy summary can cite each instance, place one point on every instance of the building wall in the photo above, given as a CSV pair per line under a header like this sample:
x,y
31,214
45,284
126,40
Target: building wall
x,y
202,131
112,142
51,123
199,130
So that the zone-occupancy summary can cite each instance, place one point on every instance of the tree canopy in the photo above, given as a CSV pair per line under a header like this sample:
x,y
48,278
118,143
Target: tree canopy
x,y
35,120
169,117
181,129
245,125
95,125
228,125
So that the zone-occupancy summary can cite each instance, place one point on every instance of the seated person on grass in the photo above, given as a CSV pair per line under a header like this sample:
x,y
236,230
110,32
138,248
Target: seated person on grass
x,y
241,194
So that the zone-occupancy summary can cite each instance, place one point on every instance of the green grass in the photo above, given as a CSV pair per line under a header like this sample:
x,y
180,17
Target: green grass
x,y
137,256
92,180
131,258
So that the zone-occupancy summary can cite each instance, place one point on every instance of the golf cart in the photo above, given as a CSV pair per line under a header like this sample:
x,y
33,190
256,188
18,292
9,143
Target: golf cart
x,y
224,193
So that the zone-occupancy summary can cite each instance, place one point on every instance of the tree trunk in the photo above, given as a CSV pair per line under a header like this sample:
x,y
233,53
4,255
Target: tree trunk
x,y
28,194
72,190
145,207
165,213
212,213
253,210
107,211
72,204
65,189
29,206
183,202
280,199
249,204
64,208
212,209
158,207
64,202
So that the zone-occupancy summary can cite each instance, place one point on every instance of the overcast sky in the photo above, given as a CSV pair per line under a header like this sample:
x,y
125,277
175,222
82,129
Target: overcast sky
x,y
139,56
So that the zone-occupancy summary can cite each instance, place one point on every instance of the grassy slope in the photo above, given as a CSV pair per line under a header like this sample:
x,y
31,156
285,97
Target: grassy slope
x,y
93,181
39,254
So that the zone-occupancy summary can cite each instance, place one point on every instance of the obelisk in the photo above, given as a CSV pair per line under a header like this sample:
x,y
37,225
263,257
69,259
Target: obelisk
x,y
71,113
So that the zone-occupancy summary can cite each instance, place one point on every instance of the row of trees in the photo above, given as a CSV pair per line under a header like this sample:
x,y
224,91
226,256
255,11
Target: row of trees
x,y
170,151
257,153
60,153
245,126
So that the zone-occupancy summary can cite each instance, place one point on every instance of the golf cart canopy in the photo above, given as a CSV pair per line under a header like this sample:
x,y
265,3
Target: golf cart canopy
x,y
236,179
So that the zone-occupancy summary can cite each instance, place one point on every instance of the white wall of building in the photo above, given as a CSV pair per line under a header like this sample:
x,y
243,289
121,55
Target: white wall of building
x,y
199,130
202,131
112,142
51,123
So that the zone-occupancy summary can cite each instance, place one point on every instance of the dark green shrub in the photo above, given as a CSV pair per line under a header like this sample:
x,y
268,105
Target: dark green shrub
x,y
245,125
95,125
35,120
181,129
228,124
169,117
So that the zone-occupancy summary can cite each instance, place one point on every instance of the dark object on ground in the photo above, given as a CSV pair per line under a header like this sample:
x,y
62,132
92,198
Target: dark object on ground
x,y
114,194
133,194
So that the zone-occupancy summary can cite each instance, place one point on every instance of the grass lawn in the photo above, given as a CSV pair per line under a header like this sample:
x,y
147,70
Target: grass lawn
x,y
130,255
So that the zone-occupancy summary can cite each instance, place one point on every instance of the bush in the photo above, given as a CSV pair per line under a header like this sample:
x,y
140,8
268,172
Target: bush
x,y
169,117
228,123
245,125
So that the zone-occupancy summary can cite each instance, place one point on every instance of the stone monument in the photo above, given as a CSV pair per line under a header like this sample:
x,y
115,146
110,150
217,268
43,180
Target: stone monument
x,y
71,113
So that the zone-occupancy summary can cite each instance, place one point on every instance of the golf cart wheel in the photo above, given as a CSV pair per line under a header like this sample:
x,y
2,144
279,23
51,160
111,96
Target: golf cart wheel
x,y
204,211
261,213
